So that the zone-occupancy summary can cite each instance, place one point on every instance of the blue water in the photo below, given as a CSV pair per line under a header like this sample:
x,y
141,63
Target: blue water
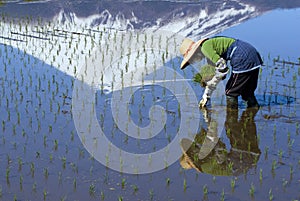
x,y
274,33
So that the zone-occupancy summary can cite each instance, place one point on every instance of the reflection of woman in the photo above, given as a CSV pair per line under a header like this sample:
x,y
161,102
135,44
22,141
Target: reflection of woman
x,y
244,60
243,154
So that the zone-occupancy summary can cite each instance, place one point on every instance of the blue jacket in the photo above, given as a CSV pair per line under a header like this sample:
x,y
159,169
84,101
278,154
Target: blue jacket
x,y
243,57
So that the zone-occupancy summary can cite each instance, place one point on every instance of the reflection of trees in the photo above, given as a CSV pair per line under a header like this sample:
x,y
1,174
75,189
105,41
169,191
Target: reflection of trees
x,y
239,158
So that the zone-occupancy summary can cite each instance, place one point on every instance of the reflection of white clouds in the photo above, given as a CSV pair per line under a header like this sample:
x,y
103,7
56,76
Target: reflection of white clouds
x,y
68,40
206,24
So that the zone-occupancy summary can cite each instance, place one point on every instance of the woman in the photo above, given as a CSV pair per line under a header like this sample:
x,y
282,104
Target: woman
x,y
244,60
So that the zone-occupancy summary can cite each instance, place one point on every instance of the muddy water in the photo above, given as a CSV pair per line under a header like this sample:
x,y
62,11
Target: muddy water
x,y
256,157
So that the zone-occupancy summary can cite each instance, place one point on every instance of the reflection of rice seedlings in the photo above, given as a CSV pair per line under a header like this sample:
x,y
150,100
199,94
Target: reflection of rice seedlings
x,y
34,185
59,177
20,163
274,134
7,175
3,126
266,152
291,172
32,169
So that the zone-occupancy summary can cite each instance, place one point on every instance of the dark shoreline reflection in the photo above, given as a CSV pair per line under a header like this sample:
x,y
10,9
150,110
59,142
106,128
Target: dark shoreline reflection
x,y
49,9
208,154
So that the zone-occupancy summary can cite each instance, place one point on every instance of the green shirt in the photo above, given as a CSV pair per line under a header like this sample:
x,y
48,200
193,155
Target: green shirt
x,y
213,48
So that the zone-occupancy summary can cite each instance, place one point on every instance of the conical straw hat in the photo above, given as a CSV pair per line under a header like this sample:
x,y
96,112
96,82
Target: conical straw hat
x,y
188,48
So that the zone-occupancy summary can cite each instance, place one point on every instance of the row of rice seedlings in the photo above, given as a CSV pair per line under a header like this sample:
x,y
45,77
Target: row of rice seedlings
x,y
50,126
72,56
26,106
59,48
52,43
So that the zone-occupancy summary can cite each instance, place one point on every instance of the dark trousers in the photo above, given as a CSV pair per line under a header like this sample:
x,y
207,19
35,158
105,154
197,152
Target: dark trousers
x,y
243,84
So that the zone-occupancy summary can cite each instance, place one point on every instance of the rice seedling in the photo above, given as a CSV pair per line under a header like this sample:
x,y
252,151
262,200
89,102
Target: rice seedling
x,y
92,190
260,175
222,195
45,193
252,190
151,193
274,165
271,196
55,144
280,153
102,196
21,182
63,159
123,183
135,188
8,159
168,181
37,154
184,185
46,173
74,184
63,198
232,184
50,158
205,190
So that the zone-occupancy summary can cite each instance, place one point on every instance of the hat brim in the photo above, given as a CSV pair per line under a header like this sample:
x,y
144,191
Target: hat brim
x,y
186,59
186,161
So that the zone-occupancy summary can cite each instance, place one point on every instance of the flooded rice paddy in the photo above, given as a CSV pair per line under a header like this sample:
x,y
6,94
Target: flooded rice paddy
x,y
46,148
